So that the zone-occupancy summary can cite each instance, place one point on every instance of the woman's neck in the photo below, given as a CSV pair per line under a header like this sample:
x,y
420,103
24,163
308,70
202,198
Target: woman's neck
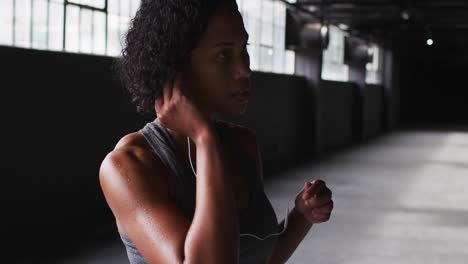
x,y
181,143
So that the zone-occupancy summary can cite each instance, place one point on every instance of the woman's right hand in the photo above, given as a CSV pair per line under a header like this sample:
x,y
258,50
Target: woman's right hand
x,y
178,112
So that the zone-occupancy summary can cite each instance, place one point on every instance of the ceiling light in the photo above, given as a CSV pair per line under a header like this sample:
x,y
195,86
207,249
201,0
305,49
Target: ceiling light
x,y
429,42
405,15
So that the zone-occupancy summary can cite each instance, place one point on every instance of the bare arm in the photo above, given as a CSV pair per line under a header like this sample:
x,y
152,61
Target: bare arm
x,y
135,184
297,229
298,226
213,236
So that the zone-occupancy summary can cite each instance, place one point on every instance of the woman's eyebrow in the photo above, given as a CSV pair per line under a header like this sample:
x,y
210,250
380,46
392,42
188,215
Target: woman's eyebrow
x,y
246,37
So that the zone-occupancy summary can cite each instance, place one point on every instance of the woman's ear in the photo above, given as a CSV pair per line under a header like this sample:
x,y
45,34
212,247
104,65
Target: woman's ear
x,y
180,77
183,68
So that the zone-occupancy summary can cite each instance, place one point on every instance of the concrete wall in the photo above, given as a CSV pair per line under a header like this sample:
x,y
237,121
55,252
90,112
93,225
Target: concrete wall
x,y
335,115
373,96
391,85
280,112
63,113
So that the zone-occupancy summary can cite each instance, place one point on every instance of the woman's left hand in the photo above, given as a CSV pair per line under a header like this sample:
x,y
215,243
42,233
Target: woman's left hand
x,y
315,202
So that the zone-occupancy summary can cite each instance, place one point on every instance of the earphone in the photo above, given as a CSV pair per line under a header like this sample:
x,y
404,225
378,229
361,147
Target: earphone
x,y
246,234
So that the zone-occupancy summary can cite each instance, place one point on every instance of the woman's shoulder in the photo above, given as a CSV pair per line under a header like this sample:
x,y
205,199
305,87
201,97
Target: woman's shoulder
x,y
134,147
133,150
246,138
242,135
133,140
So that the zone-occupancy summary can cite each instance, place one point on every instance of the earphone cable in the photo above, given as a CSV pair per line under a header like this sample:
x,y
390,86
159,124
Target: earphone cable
x,y
246,234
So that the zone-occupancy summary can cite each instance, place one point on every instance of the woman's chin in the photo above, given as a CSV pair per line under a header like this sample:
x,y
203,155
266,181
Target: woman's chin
x,y
235,111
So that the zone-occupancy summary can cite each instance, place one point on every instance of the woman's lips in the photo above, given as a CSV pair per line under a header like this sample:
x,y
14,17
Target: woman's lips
x,y
244,93
243,96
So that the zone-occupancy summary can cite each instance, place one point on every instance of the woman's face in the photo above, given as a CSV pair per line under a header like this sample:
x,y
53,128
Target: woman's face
x,y
220,64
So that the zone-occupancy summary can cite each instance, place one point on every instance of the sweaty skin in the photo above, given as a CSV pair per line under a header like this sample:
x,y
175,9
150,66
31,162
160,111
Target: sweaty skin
x,y
137,186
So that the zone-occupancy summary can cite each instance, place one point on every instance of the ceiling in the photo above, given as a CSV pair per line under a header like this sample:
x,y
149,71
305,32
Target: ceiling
x,y
381,17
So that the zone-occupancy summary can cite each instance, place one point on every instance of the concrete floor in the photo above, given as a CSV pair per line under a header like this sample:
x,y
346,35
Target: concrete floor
x,y
400,198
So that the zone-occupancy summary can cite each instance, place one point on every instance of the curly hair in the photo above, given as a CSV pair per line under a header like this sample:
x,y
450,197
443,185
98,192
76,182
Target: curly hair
x,y
160,37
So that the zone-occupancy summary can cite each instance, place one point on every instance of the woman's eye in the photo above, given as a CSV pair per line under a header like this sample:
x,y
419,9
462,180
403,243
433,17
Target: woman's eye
x,y
224,55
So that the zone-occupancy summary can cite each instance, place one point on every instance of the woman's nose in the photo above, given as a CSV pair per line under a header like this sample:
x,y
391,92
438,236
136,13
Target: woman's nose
x,y
243,69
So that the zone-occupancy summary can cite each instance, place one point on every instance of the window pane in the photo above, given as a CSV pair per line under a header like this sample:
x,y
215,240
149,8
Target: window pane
x,y
6,22
267,34
56,26
125,8
280,14
265,21
266,58
124,24
93,3
252,27
278,59
23,22
253,50
40,24
333,67
113,7
239,4
279,34
113,47
373,72
267,11
73,33
135,4
99,44
374,65
290,62
117,27
86,30
251,7
335,72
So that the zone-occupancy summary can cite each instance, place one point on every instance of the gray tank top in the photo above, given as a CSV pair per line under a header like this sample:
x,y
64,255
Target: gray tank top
x,y
258,219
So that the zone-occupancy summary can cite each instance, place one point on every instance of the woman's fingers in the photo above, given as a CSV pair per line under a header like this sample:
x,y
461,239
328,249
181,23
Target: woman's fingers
x,y
321,198
166,95
176,85
324,209
305,193
316,187
159,102
320,218
167,91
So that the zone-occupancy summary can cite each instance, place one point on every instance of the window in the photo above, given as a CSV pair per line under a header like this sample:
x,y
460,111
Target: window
x,y
373,69
333,67
6,22
265,21
98,27
82,26
91,3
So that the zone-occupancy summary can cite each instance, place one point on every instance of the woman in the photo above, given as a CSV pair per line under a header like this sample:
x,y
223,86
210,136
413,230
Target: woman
x,y
184,187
